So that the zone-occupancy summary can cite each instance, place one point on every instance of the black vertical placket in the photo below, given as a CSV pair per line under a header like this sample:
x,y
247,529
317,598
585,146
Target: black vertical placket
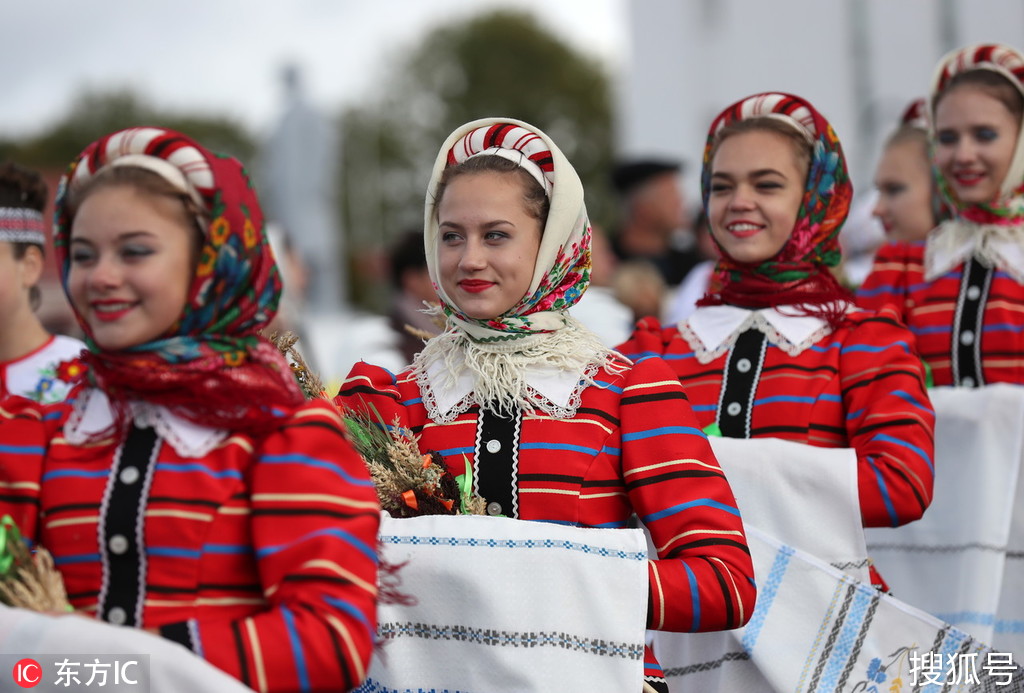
x,y
496,454
968,323
742,371
123,514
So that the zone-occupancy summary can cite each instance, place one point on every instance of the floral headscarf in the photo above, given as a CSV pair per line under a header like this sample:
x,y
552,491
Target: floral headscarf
x,y
1008,209
538,331
799,273
210,367
993,232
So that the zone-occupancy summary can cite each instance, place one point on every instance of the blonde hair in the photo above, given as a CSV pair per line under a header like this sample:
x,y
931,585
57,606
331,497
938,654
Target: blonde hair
x,y
534,197
142,180
802,148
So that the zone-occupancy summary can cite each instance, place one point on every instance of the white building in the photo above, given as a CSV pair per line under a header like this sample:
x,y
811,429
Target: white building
x,y
859,61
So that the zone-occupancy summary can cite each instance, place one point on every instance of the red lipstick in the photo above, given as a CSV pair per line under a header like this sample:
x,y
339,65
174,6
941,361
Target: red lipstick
x,y
475,286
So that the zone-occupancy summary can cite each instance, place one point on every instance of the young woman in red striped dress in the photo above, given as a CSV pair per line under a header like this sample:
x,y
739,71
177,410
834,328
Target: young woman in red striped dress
x,y
961,291
186,487
775,349
555,426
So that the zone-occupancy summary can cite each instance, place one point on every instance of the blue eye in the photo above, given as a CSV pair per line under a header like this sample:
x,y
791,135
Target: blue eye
x,y
495,235
947,137
136,251
81,255
450,237
986,134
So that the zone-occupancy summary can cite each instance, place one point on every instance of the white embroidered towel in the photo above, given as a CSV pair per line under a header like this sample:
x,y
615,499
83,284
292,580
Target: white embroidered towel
x,y
964,560
818,629
507,605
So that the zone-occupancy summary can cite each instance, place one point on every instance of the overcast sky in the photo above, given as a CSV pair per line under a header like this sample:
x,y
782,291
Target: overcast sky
x,y
225,56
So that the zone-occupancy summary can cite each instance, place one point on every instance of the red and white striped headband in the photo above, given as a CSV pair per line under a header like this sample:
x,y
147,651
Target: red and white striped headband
x,y
21,225
983,56
512,142
916,114
185,167
784,107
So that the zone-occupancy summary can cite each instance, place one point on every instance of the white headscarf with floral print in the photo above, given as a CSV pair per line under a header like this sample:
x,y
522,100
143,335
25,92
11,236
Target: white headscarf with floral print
x,y
993,232
562,271
537,332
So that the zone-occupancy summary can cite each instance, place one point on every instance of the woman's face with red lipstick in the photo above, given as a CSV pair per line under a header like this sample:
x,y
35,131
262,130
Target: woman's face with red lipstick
x,y
757,184
488,243
975,137
132,261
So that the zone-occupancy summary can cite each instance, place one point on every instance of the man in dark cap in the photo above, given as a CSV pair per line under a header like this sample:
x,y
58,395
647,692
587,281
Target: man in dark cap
x,y
655,222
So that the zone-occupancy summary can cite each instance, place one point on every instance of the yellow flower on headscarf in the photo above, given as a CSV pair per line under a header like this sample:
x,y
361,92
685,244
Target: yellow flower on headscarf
x,y
207,260
219,231
249,234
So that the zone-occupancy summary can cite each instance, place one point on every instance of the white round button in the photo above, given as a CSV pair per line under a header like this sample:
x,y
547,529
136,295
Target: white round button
x,y
117,616
967,338
493,446
118,544
743,365
967,382
129,475
974,292
493,508
733,409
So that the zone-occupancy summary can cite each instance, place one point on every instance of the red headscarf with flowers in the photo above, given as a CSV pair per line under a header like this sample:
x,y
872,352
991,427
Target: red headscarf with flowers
x,y
799,273
210,367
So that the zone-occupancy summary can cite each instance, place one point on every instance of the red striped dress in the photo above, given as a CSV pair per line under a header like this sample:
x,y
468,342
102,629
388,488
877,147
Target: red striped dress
x,y
259,554
632,446
969,321
860,387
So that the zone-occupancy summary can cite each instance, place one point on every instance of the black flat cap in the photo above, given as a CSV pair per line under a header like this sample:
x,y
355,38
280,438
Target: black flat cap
x,y
629,175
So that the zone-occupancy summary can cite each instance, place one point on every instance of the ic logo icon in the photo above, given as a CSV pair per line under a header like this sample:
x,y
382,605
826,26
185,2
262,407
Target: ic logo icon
x,y
27,673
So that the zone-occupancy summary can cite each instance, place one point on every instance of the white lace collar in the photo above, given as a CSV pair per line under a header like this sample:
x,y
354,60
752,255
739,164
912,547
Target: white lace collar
x,y
92,414
712,330
557,391
956,241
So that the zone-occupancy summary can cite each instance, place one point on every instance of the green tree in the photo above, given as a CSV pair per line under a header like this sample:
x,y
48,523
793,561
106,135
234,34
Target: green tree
x,y
497,64
93,114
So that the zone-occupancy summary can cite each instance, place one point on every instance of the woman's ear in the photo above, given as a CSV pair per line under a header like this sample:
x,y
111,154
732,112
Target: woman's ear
x,y
31,266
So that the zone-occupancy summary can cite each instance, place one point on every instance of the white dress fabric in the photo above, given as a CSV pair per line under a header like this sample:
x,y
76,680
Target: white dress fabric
x,y
542,607
50,640
35,375
964,560
819,625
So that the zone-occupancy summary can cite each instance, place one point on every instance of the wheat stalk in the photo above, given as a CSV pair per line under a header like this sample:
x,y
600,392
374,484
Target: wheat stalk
x,y
30,581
